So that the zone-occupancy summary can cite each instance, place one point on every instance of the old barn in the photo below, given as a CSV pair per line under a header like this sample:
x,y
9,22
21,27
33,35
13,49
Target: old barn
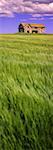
x,y
31,28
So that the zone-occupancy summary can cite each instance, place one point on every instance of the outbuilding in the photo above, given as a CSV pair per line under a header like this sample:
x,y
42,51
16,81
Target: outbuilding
x,y
31,28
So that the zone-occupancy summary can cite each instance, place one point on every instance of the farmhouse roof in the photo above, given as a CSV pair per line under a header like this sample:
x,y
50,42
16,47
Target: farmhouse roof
x,y
37,25
33,25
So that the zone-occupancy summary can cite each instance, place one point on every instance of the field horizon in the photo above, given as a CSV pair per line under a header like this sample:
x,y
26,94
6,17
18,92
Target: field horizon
x,y
26,91
17,33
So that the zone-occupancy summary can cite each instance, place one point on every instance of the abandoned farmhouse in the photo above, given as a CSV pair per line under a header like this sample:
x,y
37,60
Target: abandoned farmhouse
x,y
31,28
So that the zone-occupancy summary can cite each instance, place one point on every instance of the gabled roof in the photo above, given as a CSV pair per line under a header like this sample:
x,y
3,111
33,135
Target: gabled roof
x,y
33,25
25,24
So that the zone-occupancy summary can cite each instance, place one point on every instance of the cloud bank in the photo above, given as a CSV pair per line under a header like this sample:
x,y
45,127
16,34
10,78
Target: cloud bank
x,y
38,8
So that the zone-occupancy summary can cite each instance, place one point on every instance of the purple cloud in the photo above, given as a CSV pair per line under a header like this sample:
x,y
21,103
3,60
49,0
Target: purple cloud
x,y
36,8
40,1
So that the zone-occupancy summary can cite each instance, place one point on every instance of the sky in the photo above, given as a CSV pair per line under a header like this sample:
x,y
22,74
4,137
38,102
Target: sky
x,y
14,12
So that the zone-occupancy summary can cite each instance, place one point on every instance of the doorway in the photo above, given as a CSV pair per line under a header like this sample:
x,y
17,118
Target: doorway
x,y
35,31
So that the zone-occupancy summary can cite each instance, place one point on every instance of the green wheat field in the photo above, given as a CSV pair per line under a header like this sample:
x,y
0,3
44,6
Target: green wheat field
x,y
26,92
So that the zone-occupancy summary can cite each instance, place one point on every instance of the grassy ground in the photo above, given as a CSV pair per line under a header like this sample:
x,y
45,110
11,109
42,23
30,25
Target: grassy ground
x,y
26,92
